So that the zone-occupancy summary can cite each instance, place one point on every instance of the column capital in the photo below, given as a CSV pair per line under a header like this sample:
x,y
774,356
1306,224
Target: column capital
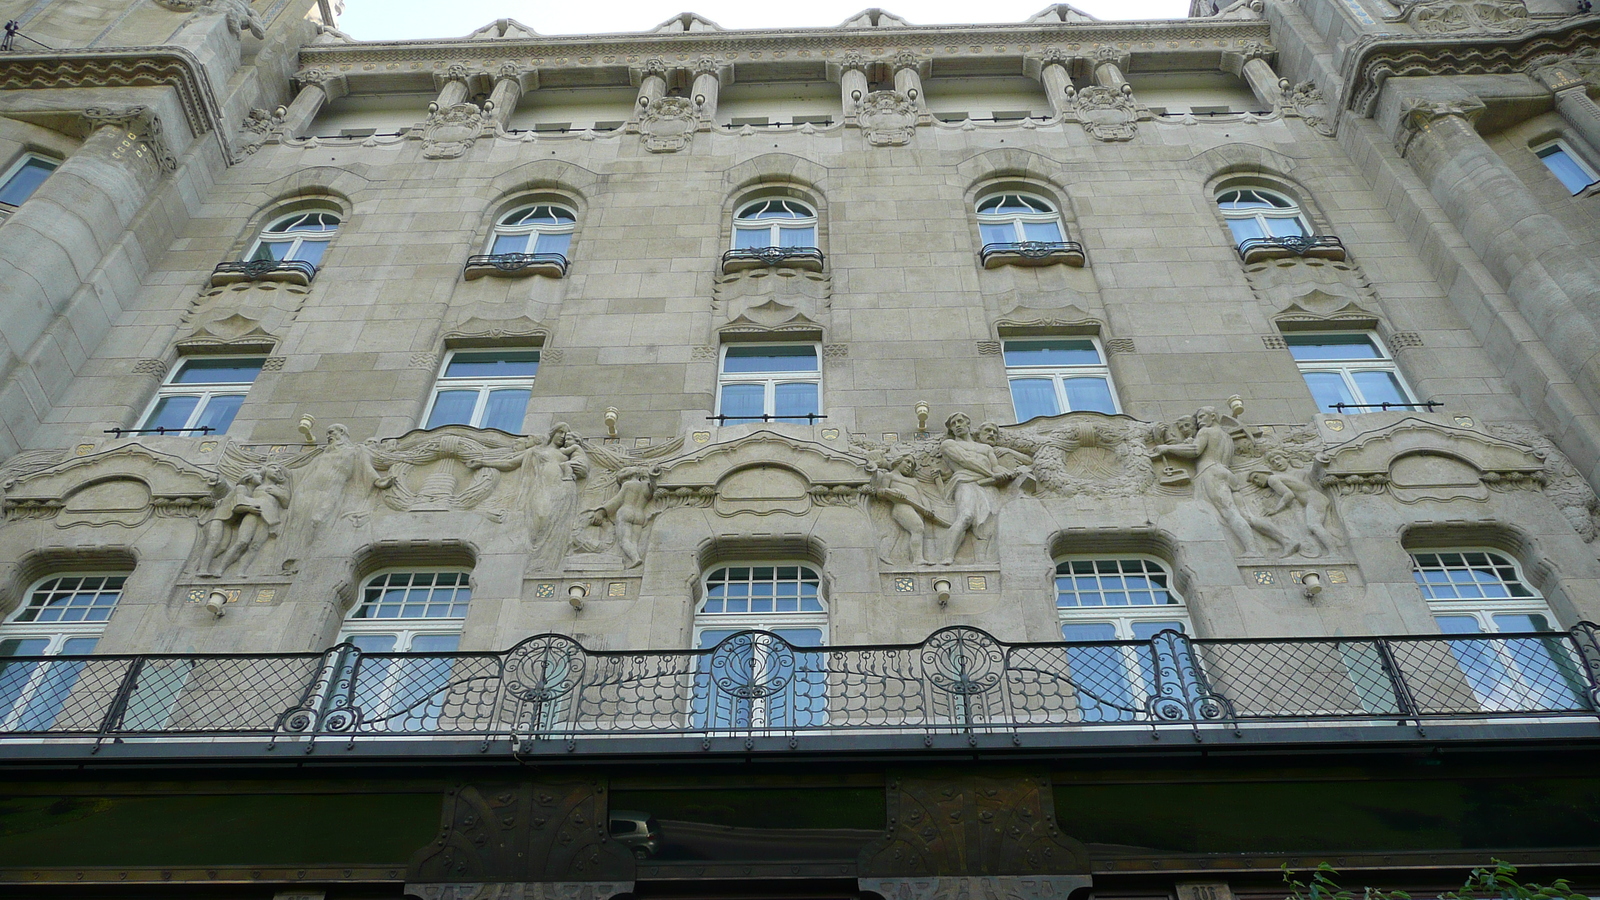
x,y
1104,55
332,83
854,60
1420,112
453,72
654,66
142,125
707,65
906,59
1560,76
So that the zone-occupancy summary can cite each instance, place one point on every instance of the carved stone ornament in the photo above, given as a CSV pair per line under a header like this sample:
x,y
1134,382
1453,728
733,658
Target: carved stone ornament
x,y
247,516
439,470
853,60
257,127
1307,102
764,474
314,76
125,485
1457,16
1302,289
553,830
451,132
967,824
888,118
144,129
1107,115
1414,460
774,297
905,59
1563,483
668,124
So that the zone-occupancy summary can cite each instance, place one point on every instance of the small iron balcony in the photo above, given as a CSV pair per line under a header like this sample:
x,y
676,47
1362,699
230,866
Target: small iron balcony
x,y
1315,246
1032,253
288,271
808,258
515,265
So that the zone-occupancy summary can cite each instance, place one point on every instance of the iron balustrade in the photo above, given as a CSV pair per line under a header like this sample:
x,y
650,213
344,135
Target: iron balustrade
x,y
513,263
959,681
1069,252
296,271
752,257
1319,246
1429,405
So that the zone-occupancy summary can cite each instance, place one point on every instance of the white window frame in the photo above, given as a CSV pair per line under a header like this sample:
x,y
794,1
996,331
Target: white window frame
x,y
771,622
771,380
1122,619
297,240
404,629
532,231
206,391
1346,368
482,384
401,675
22,162
1017,220
1263,218
1058,374
1540,151
772,226
56,635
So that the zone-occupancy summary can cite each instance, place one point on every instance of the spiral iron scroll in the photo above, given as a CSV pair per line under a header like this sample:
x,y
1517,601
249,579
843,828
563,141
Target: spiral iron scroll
x,y
543,668
1181,693
963,661
752,665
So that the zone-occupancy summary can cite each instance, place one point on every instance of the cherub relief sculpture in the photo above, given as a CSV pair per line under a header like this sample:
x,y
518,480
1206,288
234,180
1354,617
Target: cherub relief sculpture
x,y
622,518
246,517
1212,449
977,475
911,510
551,467
1293,489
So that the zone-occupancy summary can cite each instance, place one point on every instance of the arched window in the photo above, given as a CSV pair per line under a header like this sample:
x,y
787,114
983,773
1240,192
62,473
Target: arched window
x,y
541,229
1256,213
1018,218
296,237
783,598
62,616
404,624
775,222
1100,600
1473,591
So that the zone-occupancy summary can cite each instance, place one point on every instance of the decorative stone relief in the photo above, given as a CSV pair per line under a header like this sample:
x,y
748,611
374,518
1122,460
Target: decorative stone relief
x,y
1107,115
1088,453
241,17
146,136
1563,483
1293,487
1213,451
125,485
337,482
1414,460
443,469
551,467
620,500
521,329
908,494
1456,16
765,474
450,132
888,118
668,123
1307,102
247,515
772,297
258,126
1301,289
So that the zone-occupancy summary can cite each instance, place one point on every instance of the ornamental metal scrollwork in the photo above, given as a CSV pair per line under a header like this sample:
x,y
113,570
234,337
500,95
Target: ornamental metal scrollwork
x,y
752,665
963,661
1181,692
543,668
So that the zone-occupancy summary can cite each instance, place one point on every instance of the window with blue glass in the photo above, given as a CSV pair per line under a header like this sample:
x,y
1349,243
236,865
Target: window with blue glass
x,y
770,383
1574,173
1013,218
1103,601
1256,213
299,236
1052,376
484,389
24,177
757,621
1480,597
540,229
203,394
1352,370
775,222
405,626
62,619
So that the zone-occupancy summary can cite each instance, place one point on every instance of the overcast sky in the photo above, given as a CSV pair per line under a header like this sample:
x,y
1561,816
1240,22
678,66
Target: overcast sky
x,y
375,20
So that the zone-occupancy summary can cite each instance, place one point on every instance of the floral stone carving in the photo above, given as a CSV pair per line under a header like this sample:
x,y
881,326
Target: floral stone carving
x,y
1414,460
450,132
1308,103
888,118
1107,115
1456,16
667,125
1563,483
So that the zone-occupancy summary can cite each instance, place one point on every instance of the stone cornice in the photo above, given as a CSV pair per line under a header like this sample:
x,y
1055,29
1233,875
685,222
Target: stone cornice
x,y
1377,58
172,67
794,45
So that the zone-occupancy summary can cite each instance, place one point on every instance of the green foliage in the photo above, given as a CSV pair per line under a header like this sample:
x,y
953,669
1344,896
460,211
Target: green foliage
x,y
1493,882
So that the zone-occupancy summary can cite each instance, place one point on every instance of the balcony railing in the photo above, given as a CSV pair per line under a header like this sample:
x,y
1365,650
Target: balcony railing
x,y
1031,253
1317,246
807,258
551,692
289,271
515,265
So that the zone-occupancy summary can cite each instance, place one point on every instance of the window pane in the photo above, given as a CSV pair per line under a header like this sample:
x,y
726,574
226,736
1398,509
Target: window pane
x,y
494,364
373,643
1458,624
1041,231
1559,162
1379,387
219,412
218,371
998,234
1060,352
171,412
552,243
1285,227
1034,397
797,358
797,237
26,180
751,238
275,250
1245,229
1332,346
794,401
1089,394
743,402
506,409
510,243
435,643
452,408
1328,389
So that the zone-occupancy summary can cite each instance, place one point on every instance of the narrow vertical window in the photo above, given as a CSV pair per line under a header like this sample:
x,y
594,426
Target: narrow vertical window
x,y
1101,601
761,682
405,625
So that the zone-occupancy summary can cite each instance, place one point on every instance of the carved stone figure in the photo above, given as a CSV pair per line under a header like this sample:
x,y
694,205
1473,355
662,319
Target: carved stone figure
x,y
888,118
668,123
338,481
257,127
423,471
1212,450
1293,488
977,475
551,467
1563,483
242,522
1308,103
451,132
909,509
1454,16
623,517
1107,115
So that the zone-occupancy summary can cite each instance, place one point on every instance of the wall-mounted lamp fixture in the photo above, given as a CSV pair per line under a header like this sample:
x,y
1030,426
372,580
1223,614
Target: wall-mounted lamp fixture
x,y
1312,582
941,591
215,604
576,593
856,96
611,420
922,415
912,94
308,425
699,99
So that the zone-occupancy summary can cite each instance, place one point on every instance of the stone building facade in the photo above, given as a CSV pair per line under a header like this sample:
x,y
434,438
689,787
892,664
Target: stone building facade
x,y
1161,424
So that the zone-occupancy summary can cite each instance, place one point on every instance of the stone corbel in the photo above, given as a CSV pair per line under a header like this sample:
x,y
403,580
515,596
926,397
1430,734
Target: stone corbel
x,y
144,133
1419,115
1253,63
511,81
851,74
1053,70
708,76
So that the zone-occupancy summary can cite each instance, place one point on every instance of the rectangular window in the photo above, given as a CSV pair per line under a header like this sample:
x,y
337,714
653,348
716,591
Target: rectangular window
x,y
1101,601
405,623
1348,370
770,383
203,394
1574,174
25,177
484,389
1058,375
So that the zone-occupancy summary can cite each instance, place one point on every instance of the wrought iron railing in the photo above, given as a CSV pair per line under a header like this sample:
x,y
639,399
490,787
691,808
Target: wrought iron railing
x,y
1069,252
296,271
755,257
1321,246
959,681
515,263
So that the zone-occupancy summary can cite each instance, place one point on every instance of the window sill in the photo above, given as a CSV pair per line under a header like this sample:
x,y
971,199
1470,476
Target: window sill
x,y
292,271
807,259
1316,246
515,265
1032,253
6,211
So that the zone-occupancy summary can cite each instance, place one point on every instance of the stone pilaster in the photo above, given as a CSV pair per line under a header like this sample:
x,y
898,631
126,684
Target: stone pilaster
x,y
652,84
908,77
1057,82
506,94
1573,101
1251,62
1108,63
707,84
317,88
